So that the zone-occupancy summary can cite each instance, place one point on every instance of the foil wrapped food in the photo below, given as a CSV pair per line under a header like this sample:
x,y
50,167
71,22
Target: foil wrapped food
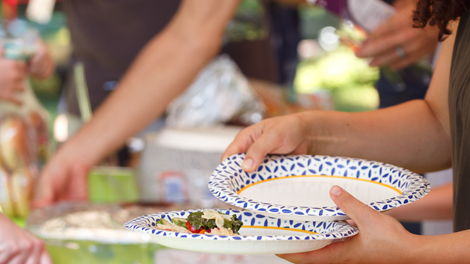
x,y
99,223
219,94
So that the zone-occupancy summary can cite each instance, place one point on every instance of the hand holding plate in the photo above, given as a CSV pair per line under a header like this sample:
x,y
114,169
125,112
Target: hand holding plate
x,y
381,238
279,135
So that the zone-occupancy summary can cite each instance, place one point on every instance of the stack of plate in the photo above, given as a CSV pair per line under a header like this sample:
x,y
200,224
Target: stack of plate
x,y
285,204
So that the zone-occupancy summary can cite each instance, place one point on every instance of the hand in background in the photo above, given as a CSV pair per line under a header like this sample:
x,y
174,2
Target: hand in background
x,y
397,43
12,76
17,246
41,65
63,178
279,135
381,238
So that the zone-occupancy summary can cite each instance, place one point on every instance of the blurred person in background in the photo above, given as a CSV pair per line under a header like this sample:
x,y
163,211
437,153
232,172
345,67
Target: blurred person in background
x,y
18,245
396,47
155,50
162,70
13,73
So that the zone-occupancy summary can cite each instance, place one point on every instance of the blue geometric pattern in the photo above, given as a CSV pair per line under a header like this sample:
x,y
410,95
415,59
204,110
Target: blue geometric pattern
x,y
229,178
324,230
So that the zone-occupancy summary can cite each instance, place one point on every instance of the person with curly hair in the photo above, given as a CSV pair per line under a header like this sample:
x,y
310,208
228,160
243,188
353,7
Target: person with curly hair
x,y
420,135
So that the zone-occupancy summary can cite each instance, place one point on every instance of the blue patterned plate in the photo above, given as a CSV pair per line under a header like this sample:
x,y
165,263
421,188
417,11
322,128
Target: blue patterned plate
x,y
259,234
297,187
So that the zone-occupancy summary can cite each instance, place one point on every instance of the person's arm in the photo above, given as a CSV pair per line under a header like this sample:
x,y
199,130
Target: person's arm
x,y
381,238
19,246
163,70
436,205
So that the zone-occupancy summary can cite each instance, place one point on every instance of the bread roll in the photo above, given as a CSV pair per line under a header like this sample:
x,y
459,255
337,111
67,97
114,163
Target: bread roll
x,y
22,184
5,193
15,143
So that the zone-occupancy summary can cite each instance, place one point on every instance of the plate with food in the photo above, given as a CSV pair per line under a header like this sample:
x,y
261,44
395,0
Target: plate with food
x,y
297,187
233,231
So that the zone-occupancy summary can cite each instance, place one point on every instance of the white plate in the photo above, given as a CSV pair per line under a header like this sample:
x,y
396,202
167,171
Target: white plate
x,y
297,187
259,234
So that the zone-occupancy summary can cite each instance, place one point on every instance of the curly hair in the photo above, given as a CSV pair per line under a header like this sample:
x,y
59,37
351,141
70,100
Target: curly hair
x,y
438,12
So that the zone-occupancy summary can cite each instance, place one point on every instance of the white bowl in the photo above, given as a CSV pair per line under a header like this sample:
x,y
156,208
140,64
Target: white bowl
x,y
258,235
297,187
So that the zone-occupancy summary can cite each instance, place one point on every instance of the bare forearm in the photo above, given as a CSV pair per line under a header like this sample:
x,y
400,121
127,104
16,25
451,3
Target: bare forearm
x,y
162,71
408,135
437,205
449,248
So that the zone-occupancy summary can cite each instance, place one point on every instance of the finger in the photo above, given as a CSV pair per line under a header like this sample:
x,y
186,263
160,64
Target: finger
x,y
266,143
355,209
392,56
400,64
7,254
376,46
242,141
45,258
21,257
333,253
14,99
34,256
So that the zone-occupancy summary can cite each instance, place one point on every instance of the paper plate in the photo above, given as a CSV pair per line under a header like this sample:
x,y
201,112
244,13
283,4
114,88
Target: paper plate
x,y
259,234
297,187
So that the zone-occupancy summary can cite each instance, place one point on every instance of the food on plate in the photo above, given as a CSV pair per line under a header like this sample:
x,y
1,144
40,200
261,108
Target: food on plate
x,y
205,222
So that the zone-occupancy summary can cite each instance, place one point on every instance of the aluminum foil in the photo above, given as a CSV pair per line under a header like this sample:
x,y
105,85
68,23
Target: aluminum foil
x,y
98,223
219,94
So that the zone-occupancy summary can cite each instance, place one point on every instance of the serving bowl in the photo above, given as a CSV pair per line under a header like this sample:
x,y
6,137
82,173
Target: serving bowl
x,y
296,187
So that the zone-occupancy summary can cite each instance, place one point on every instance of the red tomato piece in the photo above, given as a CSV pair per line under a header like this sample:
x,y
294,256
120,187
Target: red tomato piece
x,y
191,228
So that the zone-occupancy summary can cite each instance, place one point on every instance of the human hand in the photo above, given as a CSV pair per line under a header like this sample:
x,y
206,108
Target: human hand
x,y
41,65
381,238
12,76
279,135
397,43
19,246
63,178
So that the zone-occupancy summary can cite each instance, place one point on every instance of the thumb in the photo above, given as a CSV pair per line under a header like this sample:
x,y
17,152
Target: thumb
x,y
355,209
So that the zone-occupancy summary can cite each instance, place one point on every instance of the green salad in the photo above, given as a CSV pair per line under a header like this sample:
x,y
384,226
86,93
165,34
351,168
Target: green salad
x,y
205,222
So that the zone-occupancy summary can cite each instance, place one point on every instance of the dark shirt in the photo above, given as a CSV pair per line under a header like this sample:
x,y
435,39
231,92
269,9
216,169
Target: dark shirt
x,y
459,109
108,34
